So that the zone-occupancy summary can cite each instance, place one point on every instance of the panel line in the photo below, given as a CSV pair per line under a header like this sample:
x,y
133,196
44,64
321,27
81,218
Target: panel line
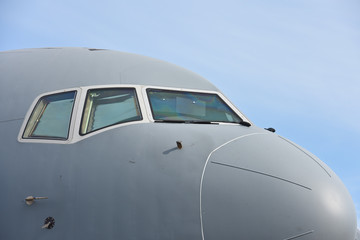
x,y
203,173
261,173
300,235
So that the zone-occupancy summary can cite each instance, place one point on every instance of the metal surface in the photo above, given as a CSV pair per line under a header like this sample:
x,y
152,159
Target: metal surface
x,y
153,180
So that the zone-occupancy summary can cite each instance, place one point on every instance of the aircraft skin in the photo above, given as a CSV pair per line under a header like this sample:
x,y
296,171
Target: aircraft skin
x,y
148,179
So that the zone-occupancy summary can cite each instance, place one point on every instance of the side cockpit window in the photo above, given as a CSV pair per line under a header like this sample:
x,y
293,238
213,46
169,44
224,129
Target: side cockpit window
x,y
51,117
107,107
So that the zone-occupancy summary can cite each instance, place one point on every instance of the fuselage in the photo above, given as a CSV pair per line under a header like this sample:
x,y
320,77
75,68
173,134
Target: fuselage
x,y
155,170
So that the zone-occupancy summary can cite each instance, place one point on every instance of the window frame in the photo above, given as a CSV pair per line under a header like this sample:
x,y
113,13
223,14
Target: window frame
x,y
137,99
79,104
44,139
219,94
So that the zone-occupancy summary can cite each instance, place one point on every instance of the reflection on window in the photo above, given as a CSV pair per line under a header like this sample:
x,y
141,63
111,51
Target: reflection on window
x,y
107,107
189,106
51,117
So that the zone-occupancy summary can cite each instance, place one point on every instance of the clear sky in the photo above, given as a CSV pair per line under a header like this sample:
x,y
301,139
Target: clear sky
x,y
289,64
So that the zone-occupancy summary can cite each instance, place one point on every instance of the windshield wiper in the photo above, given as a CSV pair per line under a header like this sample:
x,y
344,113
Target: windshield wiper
x,y
243,123
186,121
201,122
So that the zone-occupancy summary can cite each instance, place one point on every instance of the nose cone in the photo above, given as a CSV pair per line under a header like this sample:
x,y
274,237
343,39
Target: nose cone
x,y
265,187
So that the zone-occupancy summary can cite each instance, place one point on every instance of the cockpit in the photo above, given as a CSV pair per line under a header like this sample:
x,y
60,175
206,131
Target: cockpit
x,y
68,116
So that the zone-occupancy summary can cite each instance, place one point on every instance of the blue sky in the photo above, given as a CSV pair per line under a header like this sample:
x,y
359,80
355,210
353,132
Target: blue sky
x,y
292,65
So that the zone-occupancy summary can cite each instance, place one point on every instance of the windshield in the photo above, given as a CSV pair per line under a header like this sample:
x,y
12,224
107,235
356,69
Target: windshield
x,y
51,117
168,105
109,106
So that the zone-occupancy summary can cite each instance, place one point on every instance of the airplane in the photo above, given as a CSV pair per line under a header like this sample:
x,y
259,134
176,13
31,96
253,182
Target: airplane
x,y
102,144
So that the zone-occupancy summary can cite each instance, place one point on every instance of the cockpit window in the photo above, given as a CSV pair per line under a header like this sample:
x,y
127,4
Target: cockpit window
x,y
169,105
51,117
107,107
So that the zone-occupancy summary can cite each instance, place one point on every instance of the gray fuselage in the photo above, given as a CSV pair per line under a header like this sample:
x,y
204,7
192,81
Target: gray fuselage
x,y
134,181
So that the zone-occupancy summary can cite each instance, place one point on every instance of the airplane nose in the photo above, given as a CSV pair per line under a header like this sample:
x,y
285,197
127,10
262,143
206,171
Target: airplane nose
x,y
262,186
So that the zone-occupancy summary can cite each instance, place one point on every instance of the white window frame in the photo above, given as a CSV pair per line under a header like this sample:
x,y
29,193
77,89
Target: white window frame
x,y
76,116
71,124
76,135
149,112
